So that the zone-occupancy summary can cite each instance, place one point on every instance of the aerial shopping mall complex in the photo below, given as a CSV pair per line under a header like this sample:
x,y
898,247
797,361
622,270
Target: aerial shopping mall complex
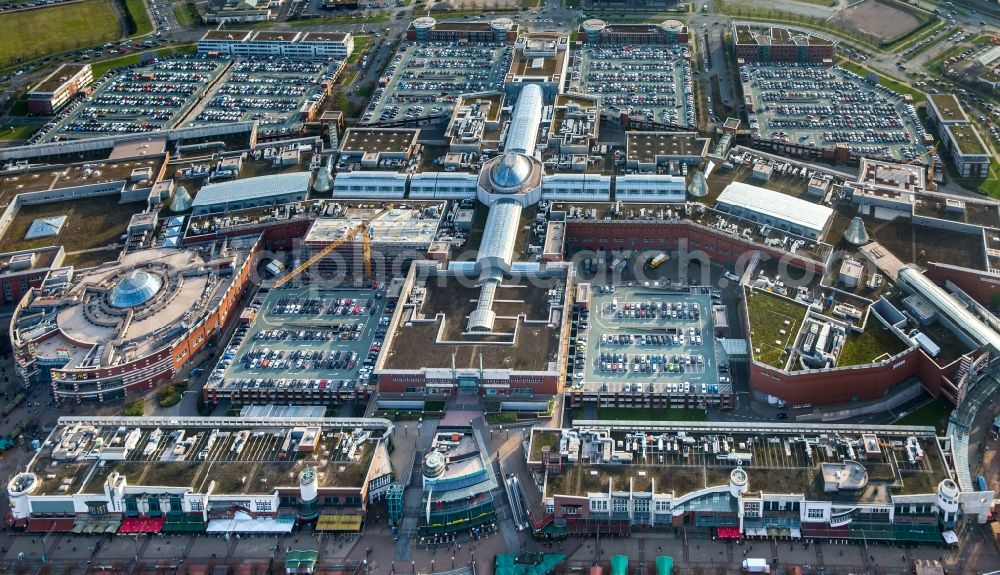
x,y
524,235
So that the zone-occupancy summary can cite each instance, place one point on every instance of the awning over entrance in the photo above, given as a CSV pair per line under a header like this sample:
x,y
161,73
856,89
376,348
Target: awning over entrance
x,y
99,525
338,523
301,561
183,523
664,565
243,523
50,524
131,525
619,565
729,532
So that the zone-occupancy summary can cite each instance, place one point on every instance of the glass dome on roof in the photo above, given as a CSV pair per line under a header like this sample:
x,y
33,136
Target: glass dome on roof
x,y
136,288
511,171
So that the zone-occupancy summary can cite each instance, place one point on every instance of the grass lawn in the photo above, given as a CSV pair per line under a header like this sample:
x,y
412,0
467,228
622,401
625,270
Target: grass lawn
x,y
934,413
990,186
91,259
649,414
187,14
894,85
17,132
774,321
20,107
104,66
30,34
138,11
361,44
876,341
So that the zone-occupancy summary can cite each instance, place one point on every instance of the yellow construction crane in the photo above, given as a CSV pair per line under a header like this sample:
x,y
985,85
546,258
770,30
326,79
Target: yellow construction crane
x,y
366,246
362,228
930,151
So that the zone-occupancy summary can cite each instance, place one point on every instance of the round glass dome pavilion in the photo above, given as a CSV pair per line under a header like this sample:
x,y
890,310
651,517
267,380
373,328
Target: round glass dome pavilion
x,y
511,171
136,288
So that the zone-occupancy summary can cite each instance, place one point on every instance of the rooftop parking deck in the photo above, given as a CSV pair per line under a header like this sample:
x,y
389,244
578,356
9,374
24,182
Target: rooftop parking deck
x,y
196,90
650,339
239,456
777,461
424,80
651,83
138,99
305,338
274,91
826,105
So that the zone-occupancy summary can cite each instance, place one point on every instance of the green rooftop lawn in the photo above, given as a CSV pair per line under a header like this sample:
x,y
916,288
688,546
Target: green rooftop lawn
x,y
90,223
967,139
770,315
934,413
541,439
876,341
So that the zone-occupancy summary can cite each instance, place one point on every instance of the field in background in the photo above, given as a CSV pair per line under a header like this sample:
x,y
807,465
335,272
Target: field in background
x,y
883,20
30,34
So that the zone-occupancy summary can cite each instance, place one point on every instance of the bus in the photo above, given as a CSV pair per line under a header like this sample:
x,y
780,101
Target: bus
x,y
656,261
704,8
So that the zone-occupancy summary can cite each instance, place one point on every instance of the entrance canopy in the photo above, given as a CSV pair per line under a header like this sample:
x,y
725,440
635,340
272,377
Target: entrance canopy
x,y
243,523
